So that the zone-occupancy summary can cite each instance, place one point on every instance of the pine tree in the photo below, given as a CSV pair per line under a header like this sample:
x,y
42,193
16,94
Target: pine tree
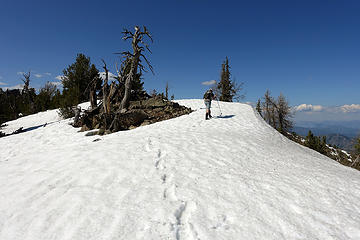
x,y
77,80
276,112
268,109
310,140
258,107
45,99
167,90
283,114
357,146
227,88
316,143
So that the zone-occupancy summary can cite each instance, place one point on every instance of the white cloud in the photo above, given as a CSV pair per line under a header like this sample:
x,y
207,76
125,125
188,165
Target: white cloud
x,y
350,108
2,83
19,86
20,73
58,84
338,110
309,108
1,77
207,83
59,77
38,75
111,76
48,74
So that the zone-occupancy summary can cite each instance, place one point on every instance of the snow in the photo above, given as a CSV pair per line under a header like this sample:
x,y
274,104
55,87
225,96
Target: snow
x,y
333,153
32,121
232,177
111,76
346,153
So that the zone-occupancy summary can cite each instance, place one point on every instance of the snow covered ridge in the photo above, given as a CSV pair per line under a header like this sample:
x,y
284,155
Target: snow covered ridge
x,y
232,177
334,153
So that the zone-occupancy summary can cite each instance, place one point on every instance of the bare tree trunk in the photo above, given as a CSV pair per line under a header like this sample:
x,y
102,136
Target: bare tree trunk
x,y
167,91
93,98
356,161
125,101
26,81
134,62
106,98
133,70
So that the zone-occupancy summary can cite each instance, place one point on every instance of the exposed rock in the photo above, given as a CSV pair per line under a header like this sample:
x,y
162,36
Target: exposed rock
x,y
101,131
123,121
140,113
93,133
144,123
84,128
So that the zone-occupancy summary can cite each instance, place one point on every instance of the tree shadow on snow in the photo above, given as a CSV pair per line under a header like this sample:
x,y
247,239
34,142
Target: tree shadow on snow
x,y
226,116
22,130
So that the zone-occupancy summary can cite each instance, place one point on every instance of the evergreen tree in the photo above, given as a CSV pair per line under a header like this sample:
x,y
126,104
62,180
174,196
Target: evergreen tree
x,y
316,143
167,90
276,112
137,87
258,107
310,140
47,97
227,88
283,114
10,102
268,109
357,146
77,80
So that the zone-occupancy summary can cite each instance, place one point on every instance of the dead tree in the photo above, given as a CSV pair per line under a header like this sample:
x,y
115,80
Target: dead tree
x,y
134,61
105,90
27,96
93,97
356,162
26,81
167,91
91,88
268,108
277,112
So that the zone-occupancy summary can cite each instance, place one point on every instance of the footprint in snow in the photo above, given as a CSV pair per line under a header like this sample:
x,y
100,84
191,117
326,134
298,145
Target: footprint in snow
x,y
159,164
148,145
184,229
222,222
170,193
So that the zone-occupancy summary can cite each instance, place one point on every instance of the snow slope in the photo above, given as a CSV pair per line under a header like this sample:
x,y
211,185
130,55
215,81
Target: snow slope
x,y
186,178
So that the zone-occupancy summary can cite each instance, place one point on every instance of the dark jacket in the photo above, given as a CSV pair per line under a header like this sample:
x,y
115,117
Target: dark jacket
x,y
208,96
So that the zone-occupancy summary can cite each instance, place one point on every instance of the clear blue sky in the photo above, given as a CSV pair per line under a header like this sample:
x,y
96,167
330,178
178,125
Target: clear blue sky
x,y
309,50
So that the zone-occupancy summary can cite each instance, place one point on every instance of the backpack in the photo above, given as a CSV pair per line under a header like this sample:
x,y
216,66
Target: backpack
x,y
207,95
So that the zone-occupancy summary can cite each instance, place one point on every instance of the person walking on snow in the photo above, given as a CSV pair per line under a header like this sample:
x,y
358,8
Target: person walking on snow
x,y
208,96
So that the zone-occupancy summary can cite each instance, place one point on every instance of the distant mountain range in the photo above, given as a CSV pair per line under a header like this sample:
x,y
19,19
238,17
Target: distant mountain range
x,y
341,134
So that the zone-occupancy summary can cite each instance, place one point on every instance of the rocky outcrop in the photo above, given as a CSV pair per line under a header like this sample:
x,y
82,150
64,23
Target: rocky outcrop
x,y
139,113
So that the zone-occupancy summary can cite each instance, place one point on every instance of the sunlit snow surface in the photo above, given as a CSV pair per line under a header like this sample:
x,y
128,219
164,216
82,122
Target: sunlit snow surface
x,y
232,177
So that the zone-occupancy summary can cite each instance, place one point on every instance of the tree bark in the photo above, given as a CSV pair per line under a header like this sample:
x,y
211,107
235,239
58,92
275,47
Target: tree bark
x,y
105,89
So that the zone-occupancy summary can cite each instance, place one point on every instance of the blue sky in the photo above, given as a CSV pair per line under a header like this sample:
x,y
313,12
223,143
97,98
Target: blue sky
x,y
309,50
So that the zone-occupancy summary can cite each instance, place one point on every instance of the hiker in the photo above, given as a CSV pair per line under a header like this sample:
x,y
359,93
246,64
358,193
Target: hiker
x,y
208,96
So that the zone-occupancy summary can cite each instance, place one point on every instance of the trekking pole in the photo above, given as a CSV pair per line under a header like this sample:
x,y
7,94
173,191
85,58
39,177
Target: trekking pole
x,y
219,106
